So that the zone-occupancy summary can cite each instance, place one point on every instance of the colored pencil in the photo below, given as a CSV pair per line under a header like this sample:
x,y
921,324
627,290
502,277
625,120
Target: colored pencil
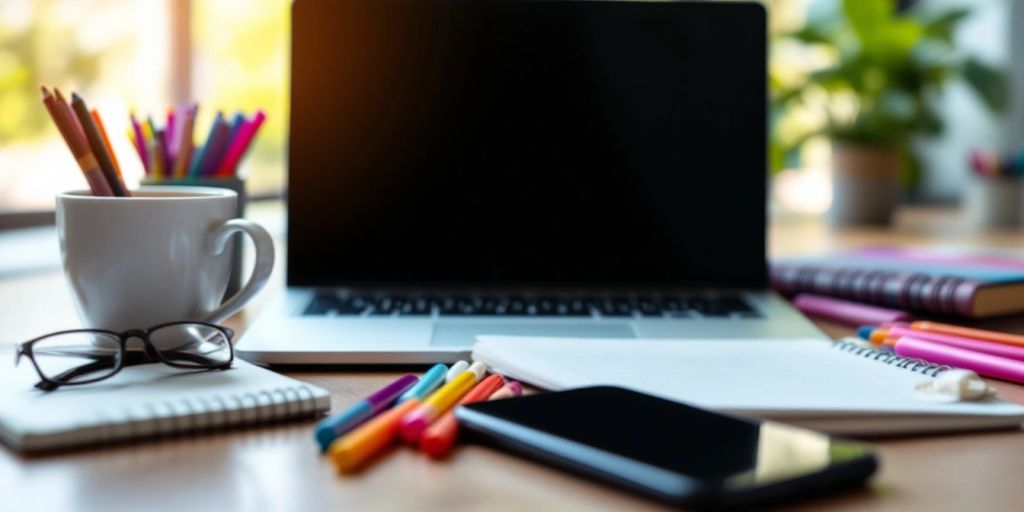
x,y
140,142
201,152
240,144
79,148
157,163
215,147
171,137
152,135
66,106
185,144
237,123
106,142
92,135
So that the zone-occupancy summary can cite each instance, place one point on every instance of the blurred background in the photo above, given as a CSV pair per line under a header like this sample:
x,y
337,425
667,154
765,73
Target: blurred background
x,y
900,92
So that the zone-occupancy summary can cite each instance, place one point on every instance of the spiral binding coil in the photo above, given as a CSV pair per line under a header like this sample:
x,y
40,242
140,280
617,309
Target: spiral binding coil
x,y
891,358
198,414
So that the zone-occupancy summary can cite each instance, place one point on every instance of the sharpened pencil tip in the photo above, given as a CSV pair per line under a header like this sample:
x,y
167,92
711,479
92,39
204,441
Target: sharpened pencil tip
x,y
44,91
75,97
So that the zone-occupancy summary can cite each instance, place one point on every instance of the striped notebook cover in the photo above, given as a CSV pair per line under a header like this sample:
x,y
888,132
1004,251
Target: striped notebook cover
x,y
147,401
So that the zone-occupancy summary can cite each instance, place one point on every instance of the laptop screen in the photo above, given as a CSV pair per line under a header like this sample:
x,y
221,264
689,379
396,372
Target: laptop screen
x,y
475,142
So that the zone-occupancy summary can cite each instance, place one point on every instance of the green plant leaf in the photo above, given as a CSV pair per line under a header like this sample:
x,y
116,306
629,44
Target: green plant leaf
x,y
814,34
988,82
942,25
868,18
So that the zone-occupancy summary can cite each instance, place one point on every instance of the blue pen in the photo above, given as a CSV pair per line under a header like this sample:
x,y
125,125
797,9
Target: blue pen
x,y
428,382
201,151
331,428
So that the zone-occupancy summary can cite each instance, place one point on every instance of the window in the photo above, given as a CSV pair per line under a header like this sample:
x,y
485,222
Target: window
x,y
240,61
122,55
109,50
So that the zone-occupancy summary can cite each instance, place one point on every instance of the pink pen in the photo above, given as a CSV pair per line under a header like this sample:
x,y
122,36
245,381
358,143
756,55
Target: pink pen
x,y
239,144
847,312
984,364
988,347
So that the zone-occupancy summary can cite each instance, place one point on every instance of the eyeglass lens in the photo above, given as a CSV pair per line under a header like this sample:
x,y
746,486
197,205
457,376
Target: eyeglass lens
x,y
198,345
76,357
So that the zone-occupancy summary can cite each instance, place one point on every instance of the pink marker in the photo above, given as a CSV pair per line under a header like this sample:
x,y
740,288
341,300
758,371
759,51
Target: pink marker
x,y
988,347
984,364
847,312
415,422
239,144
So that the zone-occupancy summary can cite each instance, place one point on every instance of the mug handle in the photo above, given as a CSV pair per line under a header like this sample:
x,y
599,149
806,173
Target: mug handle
x,y
218,241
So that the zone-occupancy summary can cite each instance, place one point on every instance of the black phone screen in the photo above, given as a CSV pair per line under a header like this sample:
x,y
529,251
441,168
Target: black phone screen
x,y
707,450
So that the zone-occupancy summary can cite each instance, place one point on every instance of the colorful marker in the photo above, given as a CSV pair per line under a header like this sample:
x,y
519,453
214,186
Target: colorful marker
x,y
511,389
330,428
967,332
988,347
438,403
456,370
439,437
428,382
350,451
981,363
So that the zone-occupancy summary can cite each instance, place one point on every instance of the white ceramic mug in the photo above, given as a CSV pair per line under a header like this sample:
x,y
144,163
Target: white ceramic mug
x,y
159,256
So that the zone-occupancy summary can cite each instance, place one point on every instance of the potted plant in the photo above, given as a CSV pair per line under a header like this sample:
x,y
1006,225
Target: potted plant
x,y
868,88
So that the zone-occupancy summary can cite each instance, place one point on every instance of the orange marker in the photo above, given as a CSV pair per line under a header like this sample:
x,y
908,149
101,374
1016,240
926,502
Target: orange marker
x,y
352,450
439,437
967,332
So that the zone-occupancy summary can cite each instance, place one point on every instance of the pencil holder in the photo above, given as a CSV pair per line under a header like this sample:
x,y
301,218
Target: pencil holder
x,y
992,201
230,183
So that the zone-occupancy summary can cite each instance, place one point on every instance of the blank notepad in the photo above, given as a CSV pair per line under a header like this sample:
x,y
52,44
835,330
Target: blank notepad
x,y
147,400
813,383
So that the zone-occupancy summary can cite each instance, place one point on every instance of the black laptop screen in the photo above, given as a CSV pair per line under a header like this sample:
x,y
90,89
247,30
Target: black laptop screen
x,y
530,142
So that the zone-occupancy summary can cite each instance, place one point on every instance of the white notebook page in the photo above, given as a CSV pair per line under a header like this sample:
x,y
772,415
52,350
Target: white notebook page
x,y
780,378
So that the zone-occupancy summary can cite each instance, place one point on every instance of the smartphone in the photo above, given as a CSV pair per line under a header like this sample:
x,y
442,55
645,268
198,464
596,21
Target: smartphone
x,y
673,452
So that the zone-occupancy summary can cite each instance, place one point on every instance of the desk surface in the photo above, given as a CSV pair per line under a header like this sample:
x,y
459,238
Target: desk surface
x,y
279,468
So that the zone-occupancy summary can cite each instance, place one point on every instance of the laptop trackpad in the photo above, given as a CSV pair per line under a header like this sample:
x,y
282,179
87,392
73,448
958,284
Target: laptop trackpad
x,y
463,334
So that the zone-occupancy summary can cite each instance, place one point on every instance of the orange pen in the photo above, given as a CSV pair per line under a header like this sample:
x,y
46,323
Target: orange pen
x,y
440,435
352,450
438,439
967,332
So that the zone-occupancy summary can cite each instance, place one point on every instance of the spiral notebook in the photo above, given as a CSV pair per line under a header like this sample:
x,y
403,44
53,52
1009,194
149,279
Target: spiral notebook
x,y
146,401
835,387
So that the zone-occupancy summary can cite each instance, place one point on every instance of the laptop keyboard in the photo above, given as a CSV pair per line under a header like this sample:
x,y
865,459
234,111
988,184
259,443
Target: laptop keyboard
x,y
326,303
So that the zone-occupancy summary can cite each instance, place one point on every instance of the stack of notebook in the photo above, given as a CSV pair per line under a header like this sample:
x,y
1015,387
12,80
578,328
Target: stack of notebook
x,y
836,387
931,282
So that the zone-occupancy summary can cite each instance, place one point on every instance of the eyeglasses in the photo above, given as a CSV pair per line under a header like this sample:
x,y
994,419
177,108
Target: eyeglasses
x,y
84,356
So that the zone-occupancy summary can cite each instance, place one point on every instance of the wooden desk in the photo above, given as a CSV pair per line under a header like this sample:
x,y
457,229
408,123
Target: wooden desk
x,y
278,467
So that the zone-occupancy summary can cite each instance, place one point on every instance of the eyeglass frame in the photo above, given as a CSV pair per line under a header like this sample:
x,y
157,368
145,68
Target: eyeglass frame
x,y
47,384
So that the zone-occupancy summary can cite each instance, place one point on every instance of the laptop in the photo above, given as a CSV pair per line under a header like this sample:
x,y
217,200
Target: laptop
x,y
522,167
